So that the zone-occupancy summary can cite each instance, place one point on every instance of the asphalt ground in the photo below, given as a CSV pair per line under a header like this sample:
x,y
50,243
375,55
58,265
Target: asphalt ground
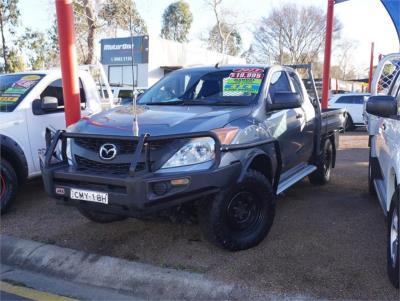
x,y
327,242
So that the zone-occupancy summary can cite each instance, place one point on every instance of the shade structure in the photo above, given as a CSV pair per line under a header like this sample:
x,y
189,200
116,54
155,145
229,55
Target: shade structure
x,y
393,8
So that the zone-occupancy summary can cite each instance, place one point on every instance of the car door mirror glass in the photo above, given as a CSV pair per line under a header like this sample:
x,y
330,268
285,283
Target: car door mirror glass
x,y
49,103
285,100
382,106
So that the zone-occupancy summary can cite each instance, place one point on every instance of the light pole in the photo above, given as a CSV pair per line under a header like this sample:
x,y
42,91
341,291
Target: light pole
x,y
68,58
327,52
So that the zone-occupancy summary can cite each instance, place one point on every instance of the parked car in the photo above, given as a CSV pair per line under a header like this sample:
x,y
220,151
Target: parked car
x,y
122,94
29,103
225,140
353,103
383,113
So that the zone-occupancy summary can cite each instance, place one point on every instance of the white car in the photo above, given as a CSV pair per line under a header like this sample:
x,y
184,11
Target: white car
x,y
383,113
29,103
121,94
353,103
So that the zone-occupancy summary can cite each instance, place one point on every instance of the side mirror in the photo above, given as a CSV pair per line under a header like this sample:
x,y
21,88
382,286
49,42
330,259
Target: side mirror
x,y
382,106
49,103
285,100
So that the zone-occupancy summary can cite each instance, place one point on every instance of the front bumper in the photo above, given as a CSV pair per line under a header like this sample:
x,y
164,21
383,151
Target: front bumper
x,y
137,196
136,193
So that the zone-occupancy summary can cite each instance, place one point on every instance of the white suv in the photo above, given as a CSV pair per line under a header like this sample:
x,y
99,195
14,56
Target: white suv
x,y
383,110
353,103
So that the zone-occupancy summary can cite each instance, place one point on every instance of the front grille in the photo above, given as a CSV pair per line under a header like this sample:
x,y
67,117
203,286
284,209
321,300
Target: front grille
x,y
113,168
123,146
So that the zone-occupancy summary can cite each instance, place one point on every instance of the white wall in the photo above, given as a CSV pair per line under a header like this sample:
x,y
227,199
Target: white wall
x,y
170,53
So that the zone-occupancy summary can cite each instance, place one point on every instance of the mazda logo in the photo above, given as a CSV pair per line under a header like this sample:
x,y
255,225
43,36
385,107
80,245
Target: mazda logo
x,y
108,151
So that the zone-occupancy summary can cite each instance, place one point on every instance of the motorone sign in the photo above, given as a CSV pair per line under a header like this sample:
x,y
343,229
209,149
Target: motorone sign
x,y
118,51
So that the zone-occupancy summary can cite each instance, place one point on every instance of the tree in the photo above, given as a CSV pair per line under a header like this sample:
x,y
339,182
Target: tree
x,y
40,48
292,34
9,17
119,13
344,51
93,17
15,61
224,36
177,20
230,45
86,26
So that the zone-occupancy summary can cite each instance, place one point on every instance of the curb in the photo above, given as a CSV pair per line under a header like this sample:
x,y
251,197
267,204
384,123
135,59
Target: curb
x,y
144,280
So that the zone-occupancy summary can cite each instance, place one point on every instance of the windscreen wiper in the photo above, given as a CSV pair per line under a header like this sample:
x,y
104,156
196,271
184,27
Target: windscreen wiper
x,y
227,103
163,103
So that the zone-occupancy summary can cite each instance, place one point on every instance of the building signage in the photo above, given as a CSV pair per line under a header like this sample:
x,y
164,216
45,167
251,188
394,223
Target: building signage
x,y
118,51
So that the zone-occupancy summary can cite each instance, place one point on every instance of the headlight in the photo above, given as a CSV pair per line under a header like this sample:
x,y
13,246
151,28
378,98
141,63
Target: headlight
x,y
198,150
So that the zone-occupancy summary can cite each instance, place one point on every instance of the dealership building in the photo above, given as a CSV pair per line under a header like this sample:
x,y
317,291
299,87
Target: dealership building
x,y
153,57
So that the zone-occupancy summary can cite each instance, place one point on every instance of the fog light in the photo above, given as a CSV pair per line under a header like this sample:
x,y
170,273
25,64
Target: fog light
x,y
161,188
180,182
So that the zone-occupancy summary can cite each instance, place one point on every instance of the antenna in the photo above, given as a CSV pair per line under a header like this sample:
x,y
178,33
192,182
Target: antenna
x,y
134,92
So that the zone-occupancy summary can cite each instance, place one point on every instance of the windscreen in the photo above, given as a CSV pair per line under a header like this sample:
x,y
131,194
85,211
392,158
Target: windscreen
x,y
204,87
14,87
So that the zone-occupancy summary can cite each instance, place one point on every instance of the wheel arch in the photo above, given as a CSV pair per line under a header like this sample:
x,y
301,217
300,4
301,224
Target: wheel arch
x,y
261,162
13,153
333,138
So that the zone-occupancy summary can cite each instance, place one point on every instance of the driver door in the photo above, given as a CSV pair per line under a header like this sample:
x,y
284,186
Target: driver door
x,y
38,122
284,125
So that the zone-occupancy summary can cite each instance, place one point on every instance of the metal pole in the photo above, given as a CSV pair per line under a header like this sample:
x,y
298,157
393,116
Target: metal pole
x,y
68,58
327,54
371,67
135,125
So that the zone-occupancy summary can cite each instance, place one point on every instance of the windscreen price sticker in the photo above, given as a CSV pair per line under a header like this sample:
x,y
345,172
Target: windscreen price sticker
x,y
242,85
256,73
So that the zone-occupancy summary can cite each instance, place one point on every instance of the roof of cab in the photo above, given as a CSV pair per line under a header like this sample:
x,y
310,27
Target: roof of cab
x,y
224,67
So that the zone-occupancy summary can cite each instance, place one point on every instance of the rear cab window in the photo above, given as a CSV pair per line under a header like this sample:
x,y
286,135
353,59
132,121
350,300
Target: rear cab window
x,y
14,88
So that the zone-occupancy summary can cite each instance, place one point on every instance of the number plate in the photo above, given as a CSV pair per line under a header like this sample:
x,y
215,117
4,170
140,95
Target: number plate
x,y
90,196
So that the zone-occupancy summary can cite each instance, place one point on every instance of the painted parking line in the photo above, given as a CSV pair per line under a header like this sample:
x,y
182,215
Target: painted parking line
x,y
30,294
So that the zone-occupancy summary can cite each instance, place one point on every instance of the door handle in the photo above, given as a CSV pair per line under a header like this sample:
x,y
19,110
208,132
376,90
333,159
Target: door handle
x,y
299,115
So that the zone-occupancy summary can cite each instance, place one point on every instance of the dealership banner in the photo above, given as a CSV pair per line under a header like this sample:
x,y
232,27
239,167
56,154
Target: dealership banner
x,y
118,51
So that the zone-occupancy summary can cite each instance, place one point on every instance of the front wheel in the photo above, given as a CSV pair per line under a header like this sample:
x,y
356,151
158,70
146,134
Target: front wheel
x,y
393,252
100,217
240,217
8,185
323,173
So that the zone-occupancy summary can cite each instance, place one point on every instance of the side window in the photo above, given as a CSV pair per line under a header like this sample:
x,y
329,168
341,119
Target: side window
x,y
296,84
358,100
279,83
82,93
125,94
345,100
55,89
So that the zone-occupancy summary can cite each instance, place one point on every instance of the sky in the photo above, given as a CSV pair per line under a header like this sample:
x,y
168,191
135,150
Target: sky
x,y
364,21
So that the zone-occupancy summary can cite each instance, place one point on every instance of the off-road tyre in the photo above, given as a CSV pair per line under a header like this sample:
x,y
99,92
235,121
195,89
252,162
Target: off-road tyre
x,y
8,185
393,246
100,217
240,216
322,175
